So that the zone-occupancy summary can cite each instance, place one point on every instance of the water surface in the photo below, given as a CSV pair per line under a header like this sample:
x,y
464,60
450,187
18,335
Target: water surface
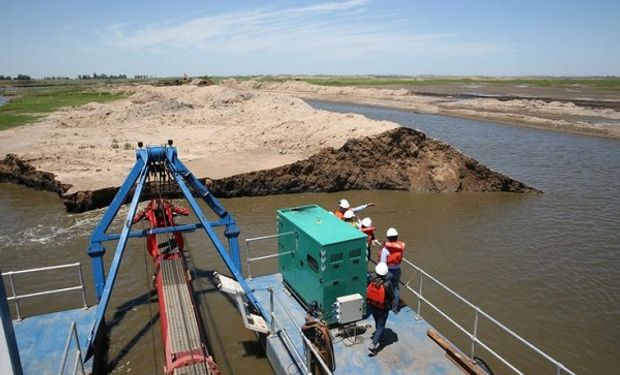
x,y
545,265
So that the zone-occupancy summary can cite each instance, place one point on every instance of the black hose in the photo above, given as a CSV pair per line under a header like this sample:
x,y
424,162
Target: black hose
x,y
483,365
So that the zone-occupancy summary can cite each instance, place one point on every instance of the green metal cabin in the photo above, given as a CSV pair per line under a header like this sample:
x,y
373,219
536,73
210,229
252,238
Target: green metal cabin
x,y
323,257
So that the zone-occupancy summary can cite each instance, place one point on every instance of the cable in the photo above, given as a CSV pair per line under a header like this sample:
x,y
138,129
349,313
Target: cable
x,y
148,299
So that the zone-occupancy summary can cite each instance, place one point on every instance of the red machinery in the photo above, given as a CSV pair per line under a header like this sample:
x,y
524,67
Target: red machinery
x,y
185,348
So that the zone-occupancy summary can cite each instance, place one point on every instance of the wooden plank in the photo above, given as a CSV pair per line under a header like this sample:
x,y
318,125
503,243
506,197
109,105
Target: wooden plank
x,y
461,359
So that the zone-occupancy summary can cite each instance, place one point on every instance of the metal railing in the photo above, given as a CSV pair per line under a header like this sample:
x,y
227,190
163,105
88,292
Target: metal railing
x,y
473,336
16,297
478,313
305,362
249,260
78,362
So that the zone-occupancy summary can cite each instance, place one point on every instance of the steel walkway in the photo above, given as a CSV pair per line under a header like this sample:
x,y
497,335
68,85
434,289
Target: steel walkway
x,y
183,330
409,350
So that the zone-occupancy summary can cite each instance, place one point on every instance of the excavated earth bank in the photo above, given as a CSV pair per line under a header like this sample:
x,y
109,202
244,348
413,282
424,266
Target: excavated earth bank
x,y
240,142
398,159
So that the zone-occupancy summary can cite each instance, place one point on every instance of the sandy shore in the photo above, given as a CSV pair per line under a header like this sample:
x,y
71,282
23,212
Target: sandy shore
x,y
219,132
601,118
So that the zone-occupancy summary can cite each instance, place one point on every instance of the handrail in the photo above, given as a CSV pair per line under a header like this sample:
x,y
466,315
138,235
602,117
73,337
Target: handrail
x,y
249,260
78,352
473,336
16,297
307,344
286,338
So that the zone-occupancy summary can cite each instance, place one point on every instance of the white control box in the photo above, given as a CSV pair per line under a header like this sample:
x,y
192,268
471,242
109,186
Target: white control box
x,y
349,308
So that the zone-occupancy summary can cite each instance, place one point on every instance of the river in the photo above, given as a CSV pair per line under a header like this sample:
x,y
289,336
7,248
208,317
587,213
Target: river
x,y
545,265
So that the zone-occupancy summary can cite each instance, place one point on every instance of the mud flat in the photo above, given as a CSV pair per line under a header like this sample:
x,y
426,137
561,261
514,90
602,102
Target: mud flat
x,y
572,113
242,142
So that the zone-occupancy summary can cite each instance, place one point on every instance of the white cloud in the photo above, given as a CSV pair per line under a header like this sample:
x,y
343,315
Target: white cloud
x,y
333,32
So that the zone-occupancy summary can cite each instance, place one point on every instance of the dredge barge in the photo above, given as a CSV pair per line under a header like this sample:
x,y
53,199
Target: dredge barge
x,y
310,314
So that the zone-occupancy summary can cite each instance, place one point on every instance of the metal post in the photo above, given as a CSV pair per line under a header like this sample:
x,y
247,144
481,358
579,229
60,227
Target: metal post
x,y
77,343
10,363
78,361
420,298
272,322
475,333
307,356
66,351
83,287
247,244
19,315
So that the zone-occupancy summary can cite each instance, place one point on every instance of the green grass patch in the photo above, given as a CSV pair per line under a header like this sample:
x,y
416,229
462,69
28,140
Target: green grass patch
x,y
32,104
8,120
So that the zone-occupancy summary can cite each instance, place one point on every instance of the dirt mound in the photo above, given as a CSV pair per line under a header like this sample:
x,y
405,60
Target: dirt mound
x,y
227,135
220,131
399,159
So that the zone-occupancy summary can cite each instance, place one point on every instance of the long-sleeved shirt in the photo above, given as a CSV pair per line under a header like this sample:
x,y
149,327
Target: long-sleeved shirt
x,y
359,208
384,255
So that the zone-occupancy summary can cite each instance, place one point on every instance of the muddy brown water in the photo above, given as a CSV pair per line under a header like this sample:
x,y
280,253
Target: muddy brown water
x,y
545,265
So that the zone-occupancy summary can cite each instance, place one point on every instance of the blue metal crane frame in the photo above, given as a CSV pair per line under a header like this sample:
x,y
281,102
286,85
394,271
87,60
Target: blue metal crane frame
x,y
147,158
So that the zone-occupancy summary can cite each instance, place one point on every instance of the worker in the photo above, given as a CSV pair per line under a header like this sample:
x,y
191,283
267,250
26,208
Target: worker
x,y
392,255
351,219
379,295
369,230
344,205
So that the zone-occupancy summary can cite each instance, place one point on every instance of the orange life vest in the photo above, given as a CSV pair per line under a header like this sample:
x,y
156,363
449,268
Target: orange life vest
x,y
396,249
370,232
375,295
339,214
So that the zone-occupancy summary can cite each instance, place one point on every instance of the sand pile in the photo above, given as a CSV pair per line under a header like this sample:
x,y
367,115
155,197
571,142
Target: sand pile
x,y
546,114
242,142
219,131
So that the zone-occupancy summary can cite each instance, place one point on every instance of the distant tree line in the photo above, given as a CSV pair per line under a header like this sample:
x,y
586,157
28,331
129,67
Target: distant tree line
x,y
25,77
56,78
102,76
20,77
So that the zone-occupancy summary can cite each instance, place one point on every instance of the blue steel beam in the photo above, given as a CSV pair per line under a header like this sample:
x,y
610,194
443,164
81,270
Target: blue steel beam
x,y
116,262
213,237
163,230
202,190
232,230
95,249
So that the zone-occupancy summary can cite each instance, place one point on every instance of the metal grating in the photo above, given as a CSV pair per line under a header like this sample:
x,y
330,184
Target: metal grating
x,y
183,331
195,369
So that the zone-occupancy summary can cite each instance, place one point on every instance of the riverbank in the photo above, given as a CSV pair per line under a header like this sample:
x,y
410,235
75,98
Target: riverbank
x,y
561,110
222,132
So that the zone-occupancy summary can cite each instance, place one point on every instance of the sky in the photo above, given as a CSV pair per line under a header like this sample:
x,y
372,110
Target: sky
x,y
338,37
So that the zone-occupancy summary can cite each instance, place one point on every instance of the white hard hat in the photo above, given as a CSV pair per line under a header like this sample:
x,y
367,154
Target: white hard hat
x,y
391,232
366,222
348,214
381,269
344,204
